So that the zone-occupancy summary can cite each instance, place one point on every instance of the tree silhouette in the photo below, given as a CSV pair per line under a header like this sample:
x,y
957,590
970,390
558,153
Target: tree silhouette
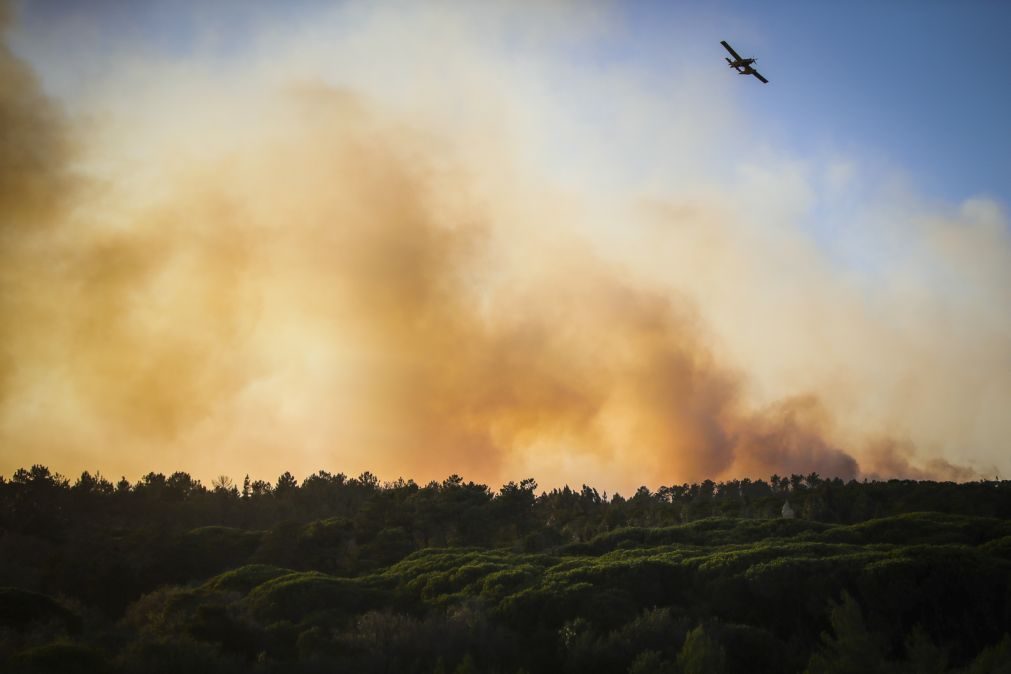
x,y
850,648
701,654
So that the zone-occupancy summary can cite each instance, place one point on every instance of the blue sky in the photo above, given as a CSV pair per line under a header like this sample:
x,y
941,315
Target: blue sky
x,y
924,86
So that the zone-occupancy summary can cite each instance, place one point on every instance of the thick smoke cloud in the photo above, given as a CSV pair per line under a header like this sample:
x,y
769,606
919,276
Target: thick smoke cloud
x,y
34,149
317,277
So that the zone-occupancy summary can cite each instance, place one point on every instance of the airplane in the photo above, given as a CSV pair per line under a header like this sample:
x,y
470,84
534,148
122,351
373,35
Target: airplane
x,y
742,66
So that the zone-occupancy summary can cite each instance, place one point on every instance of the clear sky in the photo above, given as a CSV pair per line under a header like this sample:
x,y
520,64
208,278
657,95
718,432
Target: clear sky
x,y
549,239
927,85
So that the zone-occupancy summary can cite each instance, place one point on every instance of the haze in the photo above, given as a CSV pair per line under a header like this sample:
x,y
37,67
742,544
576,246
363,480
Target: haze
x,y
433,240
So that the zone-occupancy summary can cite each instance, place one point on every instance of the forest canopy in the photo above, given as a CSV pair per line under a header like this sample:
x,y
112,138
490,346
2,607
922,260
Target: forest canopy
x,y
338,573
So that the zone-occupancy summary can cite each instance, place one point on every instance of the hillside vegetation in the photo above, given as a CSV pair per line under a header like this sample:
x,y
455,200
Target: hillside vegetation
x,y
338,574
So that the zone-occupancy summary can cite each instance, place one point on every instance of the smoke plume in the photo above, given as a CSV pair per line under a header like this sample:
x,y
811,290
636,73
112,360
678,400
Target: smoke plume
x,y
276,271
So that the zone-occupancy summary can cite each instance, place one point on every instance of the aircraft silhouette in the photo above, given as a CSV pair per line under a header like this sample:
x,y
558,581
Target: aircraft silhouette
x,y
742,65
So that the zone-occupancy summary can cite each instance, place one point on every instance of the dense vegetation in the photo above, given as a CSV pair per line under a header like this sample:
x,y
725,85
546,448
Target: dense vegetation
x,y
350,575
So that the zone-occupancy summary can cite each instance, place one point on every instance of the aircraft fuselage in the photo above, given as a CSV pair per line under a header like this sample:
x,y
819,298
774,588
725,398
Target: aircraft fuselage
x,y
740,63
743,66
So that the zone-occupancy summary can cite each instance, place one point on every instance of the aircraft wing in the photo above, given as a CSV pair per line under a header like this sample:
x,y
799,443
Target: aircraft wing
x,y
759,76
737,57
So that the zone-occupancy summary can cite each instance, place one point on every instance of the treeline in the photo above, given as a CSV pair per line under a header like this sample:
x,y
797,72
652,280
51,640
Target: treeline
x,y
350,574
455,512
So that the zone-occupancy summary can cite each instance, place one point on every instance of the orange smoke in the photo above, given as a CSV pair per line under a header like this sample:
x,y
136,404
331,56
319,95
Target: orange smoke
x,y
337,286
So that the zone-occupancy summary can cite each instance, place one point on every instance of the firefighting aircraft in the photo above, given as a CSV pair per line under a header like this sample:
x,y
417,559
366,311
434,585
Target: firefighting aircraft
x,y
742,66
